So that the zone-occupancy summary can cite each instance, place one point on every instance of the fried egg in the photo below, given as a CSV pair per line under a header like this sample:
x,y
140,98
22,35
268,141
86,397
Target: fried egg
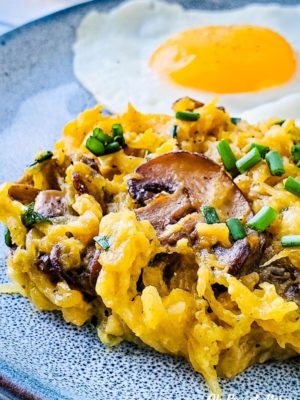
x,y
151,52
287,107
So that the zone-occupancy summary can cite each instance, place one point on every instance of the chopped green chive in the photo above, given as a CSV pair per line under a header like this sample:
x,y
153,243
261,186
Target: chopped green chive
x,y
235,120
236,229
7,238
117,130
30,217
263,150
112,148
280,122
248,160
226,155
99,143
46,155
187,116
174,131
292,186
210,215
100,135
95,146
290,240
103,241
262,219
120,140
274,161
296,152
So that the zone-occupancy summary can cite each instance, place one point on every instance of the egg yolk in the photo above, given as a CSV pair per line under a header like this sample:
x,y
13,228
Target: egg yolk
x,y
226,59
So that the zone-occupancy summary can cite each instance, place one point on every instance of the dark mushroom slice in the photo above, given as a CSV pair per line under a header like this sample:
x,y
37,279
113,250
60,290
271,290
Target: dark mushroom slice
x,y
244,254
188,231
82,187
91,162
194,103
284,276
78,183
53,270
83,278
176,184
23,192
51,203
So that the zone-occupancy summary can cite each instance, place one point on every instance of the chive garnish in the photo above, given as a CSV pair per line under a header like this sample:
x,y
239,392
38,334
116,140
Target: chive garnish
x,y
280,122
117,130
210,215
7,238
274,161
99,143
295,150
174,131
235,120
292,186
263,150
120,140
46,155
30,217
262,219
290,240
103,241
100,135
248,160
226,155
95,146
118,134
236,229
187,116
112,148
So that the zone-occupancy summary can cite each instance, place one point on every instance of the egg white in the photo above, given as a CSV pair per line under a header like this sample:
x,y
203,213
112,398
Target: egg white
x,y
287,107
112,52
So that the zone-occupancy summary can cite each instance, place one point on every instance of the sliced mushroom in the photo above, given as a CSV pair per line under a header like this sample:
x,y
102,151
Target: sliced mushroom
x,y
244,254
23,192
83,278
51,203
82,187
91,162
188,230
193,104
284,276
177,184
78,183
46,265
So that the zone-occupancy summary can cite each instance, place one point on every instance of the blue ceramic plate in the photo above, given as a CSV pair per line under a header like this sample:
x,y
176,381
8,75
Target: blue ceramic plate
x,y
42,357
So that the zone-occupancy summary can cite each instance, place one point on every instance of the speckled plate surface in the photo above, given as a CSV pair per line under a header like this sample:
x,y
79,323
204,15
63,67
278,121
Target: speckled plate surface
x,y
42,357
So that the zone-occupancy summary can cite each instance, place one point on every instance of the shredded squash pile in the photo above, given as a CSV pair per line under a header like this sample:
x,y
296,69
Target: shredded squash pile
x,y
103,258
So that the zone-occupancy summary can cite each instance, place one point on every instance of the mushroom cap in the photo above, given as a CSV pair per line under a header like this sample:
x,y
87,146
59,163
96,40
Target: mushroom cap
x,y
51,203
23,192
176,184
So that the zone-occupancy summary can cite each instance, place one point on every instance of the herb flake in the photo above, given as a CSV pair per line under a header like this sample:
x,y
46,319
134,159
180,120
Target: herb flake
x,y
7,238
103,241
235,120
30,217
174,131
46,155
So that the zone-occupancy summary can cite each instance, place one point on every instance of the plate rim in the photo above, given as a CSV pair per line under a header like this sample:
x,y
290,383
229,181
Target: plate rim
x,y
10,389
11,33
